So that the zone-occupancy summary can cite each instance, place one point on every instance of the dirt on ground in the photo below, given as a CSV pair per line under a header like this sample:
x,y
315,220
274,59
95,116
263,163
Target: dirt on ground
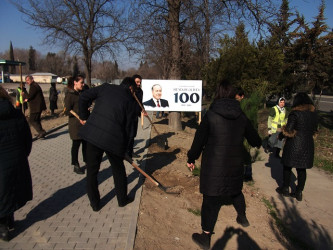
x,y
167,221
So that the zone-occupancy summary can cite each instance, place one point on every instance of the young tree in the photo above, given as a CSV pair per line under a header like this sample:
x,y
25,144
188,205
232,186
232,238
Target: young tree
x,y
85,27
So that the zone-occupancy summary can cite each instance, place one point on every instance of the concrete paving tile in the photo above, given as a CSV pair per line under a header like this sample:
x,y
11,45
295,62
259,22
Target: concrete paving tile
x,y
65,229
64,246
56,239
7,245
25,245
86,246
44,246
87,228
77,240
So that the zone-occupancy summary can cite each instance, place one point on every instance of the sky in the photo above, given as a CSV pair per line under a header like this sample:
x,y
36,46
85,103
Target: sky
x,y
14,29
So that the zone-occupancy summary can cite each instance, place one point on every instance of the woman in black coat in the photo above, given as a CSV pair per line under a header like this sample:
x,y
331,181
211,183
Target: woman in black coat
x,y
15,177
220,139
298,151
53,97
75,87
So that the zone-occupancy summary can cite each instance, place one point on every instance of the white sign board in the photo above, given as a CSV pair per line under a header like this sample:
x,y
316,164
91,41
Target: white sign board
x,y
172,95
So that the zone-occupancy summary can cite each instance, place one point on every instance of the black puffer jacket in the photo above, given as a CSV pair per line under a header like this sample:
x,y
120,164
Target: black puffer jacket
x,y
298,150
220,136
15,147
110,123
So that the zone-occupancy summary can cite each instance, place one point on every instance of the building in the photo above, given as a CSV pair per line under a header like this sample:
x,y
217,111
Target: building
x,y
38,77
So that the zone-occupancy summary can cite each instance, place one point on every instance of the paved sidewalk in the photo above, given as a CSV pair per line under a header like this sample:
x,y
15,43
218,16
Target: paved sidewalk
x,y
60,217
310,220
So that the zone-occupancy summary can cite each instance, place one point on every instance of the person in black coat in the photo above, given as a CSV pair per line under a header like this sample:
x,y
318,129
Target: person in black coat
x,y
36,105
298,151
75,87
15,177
220,139
53,97
139,94
107,130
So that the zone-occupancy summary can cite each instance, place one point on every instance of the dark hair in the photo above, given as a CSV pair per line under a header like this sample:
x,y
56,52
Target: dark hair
x,y
128,82
225,90
301,99
239,91
76,78
137,76
4,94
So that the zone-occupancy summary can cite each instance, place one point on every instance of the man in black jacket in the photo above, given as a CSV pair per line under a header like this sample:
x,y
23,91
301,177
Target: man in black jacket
x,y
138,92
107,130
36,105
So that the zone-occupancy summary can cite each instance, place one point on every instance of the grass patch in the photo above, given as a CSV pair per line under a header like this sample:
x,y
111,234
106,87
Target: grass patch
x,y
283,228
196,212
196,171
324,164
249,183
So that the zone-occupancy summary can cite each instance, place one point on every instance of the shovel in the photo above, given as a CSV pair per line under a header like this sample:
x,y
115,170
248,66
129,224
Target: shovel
x,y
163,143
164,189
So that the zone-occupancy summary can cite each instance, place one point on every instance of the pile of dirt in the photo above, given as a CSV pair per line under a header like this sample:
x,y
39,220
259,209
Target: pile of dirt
x,y
167,221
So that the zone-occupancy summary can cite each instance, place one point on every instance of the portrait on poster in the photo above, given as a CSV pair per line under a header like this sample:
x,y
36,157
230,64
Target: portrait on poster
x,y
172,95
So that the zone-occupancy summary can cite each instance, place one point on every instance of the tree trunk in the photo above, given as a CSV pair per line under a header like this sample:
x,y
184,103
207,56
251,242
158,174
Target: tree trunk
x,y
175,73
87,62
175,121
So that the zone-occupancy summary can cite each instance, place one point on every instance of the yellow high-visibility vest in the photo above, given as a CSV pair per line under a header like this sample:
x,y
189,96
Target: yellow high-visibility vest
x,y
279,119
20,95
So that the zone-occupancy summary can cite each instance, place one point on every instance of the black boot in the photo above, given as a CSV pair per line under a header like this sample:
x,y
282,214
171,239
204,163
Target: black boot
x,y
77,169
283,190
202,240
4,233
242,220
298,195
10,222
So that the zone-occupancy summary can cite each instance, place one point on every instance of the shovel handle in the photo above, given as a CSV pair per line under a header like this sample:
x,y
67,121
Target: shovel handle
x,y
75,114
127,158
143,110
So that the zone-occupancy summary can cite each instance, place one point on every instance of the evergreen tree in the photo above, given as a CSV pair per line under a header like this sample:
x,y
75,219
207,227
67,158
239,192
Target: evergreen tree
x,y
280,50
32,59
11,57
313,54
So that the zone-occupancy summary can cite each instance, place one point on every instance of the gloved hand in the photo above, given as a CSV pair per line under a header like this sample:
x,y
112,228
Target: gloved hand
x,y
270,132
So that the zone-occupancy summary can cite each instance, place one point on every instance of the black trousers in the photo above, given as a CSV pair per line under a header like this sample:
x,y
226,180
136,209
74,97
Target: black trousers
x,y
130,147
94,157
75,151
301,178
35,122
211,206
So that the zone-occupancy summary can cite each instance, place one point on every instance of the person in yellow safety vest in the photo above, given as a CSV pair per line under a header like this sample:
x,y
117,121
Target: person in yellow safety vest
x,y
20,99
276,119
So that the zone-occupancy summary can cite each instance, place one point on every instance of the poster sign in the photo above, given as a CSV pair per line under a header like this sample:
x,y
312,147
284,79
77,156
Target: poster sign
x,y
172,95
